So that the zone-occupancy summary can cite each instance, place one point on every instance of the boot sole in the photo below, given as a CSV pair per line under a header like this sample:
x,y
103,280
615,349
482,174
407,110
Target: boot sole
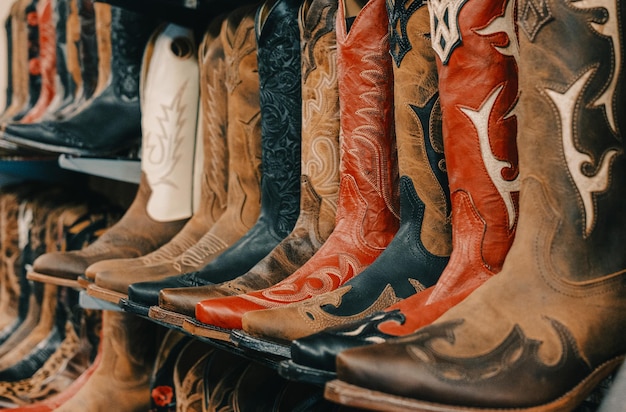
x,y
53,280
198,328
243,340
299,373
351,395
58,149
105,294
131,307
167,317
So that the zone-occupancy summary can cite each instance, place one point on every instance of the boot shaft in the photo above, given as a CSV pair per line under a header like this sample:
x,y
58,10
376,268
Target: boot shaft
x,y
477,50
367,144
574,82
103,41
320,109
278,53
88,47
418,128
5,54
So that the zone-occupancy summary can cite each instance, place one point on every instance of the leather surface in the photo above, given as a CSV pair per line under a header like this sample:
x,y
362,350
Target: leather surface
x,y
366,219
558,303
320,169
119,273
419,252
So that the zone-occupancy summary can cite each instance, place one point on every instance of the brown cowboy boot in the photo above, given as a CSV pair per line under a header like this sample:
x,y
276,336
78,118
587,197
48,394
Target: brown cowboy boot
x,y
164,200
319,180
112,277
121,382
540,335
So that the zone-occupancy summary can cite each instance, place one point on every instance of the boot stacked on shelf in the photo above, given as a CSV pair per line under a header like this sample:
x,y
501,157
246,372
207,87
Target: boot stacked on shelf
x,y
264,234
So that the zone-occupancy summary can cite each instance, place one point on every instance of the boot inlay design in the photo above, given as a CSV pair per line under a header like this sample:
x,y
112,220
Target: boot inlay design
x,y
504,24
494,166
576,161
318,282
369,331
516,352
610,29
399,42
444,26
244,47
162,151
533,16
311,37
24,224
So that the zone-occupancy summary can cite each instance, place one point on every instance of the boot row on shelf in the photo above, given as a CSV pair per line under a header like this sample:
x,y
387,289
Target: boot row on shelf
x,y
412,204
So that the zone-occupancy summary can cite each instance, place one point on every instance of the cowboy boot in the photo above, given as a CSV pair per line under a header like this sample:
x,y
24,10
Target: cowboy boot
x,y
484,190
121,382
548,328
419,252
64,84
87,132
319,180
366,220
112,277
164,200
5,56
243,138
278,49
19,61
46,60
189,376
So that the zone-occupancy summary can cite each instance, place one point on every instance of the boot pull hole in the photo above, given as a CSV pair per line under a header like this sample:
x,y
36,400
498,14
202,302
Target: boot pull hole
x,y
182,47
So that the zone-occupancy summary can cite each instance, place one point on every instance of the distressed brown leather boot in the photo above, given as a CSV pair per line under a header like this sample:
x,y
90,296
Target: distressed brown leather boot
x,y
164,199
244,160
319,179
121,382
548,328
112,277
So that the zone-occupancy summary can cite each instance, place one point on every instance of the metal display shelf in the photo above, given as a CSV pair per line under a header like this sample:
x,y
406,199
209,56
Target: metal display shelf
x,y
123,170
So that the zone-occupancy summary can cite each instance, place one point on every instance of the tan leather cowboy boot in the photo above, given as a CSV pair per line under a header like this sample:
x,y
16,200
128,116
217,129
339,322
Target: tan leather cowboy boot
x,y
112,277
366,218
319,180
121,382
164,200
541,334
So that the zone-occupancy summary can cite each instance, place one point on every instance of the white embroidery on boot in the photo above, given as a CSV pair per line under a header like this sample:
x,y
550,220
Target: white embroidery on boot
x,y
610,29
494,166
444,26
586,185
504,24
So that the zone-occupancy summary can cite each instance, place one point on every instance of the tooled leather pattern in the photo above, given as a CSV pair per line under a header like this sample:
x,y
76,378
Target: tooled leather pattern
x,y
320,21
399,14
281,118
129,36
533,15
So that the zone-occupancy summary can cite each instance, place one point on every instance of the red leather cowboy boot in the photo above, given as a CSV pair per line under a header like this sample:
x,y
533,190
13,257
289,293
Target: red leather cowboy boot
x,y
319,180
366,212
112,277
541,334
476,126
47,61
